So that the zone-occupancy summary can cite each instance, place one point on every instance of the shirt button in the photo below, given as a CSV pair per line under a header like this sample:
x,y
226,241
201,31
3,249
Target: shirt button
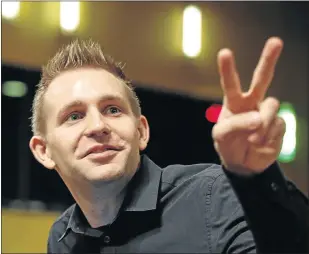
x,y
106,239
290,187
274,186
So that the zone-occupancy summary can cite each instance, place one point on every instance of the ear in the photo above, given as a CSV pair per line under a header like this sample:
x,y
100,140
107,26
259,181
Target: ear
x,y
40,151
144,133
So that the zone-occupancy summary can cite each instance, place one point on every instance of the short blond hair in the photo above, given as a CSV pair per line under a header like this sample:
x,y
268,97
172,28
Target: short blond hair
x,y
77,54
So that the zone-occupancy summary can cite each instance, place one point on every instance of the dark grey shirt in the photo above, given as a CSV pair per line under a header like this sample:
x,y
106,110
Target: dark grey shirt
x,y
190,209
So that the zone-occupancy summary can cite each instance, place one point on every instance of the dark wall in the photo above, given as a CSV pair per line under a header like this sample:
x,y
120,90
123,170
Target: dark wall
x,y
179,134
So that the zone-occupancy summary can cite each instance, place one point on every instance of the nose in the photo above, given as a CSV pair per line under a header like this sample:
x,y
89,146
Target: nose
x,y
96,125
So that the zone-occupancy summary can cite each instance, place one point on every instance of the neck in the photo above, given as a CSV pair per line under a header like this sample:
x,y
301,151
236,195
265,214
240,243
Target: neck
x,y
99,208
100,202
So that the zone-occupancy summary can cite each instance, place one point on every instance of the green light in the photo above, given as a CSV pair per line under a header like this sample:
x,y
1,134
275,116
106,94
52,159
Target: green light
x,y
14,88
288,150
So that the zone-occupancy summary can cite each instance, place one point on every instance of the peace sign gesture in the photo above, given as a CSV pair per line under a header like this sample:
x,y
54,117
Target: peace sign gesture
x,y
248,135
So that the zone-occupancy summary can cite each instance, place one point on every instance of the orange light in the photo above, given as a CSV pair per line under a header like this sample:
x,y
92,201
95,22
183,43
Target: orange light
x,y
213,112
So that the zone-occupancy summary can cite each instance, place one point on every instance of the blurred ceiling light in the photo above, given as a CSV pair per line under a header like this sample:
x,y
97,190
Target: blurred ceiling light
x,y
69,16
14,88
192,31
10,10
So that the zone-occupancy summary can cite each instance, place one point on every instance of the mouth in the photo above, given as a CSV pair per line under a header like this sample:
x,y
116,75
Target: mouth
x,y
102,151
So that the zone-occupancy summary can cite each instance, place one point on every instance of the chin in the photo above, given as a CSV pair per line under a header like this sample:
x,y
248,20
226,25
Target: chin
x,y
107,172
109,168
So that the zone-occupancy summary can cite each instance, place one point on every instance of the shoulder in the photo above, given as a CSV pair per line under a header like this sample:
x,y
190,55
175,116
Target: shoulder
x,y
178,173
205,175
203,184
60,225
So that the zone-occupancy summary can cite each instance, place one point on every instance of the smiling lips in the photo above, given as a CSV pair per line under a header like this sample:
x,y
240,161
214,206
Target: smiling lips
x,y
102,151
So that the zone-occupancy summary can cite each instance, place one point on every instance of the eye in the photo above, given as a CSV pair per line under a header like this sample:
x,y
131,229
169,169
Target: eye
x,y
74,116
113,110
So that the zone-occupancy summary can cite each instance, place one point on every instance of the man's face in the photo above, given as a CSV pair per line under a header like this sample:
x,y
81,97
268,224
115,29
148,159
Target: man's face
x,y
91,132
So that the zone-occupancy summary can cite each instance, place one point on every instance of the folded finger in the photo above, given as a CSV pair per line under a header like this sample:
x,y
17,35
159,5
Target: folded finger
x,y
276,132
268,110
243,122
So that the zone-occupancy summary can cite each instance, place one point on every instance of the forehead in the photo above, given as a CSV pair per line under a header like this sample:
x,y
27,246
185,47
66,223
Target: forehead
x,y
84,84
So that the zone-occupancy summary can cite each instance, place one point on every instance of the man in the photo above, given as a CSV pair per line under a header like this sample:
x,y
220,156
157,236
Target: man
x,y
88,126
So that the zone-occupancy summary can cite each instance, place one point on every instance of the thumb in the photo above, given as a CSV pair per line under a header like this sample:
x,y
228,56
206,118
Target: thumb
x,y
242,122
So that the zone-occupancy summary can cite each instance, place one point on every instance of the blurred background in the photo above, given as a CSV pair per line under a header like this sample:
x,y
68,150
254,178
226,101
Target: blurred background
x,y
170,53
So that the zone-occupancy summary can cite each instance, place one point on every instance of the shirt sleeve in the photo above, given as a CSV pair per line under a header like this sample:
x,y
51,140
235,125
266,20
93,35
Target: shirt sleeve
x,y
228,230
276,211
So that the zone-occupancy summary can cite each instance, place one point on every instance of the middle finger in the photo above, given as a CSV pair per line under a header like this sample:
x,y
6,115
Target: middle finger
x,y
264,71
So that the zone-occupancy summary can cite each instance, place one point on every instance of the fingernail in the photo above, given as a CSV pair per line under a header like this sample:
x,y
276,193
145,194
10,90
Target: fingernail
x,y
254,138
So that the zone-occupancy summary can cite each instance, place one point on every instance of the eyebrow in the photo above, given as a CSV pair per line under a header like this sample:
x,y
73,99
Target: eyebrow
x,y
78,103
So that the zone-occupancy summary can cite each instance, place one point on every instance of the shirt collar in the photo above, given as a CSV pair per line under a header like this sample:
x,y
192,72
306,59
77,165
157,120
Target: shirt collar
x,y
142,195
143,189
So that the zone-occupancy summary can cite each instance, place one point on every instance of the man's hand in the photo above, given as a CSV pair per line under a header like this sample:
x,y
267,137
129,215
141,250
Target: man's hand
x,y
248,135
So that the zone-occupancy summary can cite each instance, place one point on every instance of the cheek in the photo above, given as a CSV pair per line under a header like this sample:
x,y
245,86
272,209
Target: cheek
x,y
63,143
127,132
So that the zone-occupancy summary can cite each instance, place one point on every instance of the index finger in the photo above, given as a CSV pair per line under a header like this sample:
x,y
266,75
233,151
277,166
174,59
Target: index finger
x,y
265,69
230,82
